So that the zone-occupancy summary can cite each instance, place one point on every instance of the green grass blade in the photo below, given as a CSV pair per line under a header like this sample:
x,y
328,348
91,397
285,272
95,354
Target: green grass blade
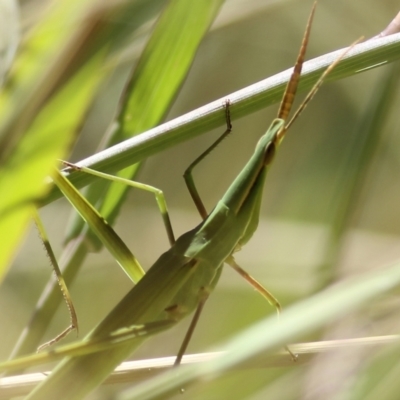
x,y
23,170
39,111
250,99
154,84
40,68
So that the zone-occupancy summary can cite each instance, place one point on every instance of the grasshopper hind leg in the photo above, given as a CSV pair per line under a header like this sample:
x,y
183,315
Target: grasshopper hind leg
x,y
263,292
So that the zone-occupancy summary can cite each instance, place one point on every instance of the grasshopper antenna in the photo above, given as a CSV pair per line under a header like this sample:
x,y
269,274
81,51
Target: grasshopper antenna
x,y
319,82
291,87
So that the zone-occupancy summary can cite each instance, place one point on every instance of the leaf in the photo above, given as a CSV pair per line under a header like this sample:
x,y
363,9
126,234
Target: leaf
x,y
363,57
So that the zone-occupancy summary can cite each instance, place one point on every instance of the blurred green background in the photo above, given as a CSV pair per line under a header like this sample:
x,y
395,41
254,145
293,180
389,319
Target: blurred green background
x,y
298,248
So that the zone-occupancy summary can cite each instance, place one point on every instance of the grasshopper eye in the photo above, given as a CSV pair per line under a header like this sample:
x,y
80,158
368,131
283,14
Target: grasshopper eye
x,y
269,153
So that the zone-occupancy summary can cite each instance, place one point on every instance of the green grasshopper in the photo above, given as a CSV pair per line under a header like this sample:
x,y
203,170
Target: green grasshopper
x,y
182,278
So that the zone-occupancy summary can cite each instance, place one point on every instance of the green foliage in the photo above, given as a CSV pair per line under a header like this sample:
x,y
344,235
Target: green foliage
x,y
339,169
